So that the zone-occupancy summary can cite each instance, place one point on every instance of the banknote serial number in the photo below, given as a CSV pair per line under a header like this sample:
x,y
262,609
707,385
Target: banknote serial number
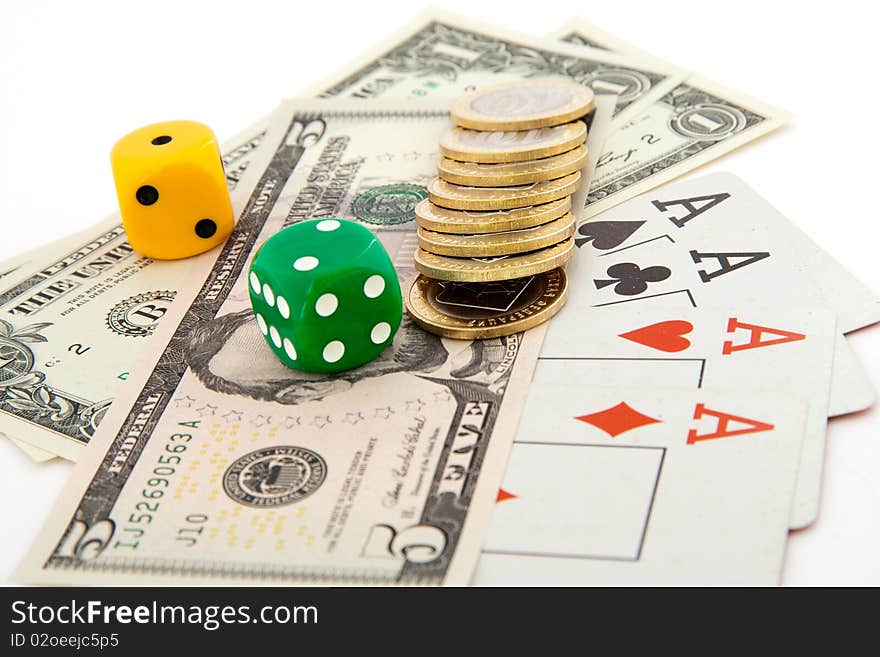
x,y
156,487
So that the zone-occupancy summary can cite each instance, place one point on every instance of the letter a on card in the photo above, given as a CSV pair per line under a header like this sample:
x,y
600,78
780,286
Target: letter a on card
x,y
722,427
755,341
726,263
695,206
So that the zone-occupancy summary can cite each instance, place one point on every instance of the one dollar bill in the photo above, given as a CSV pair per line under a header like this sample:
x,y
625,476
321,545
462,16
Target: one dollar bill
x,y
691,124
219,464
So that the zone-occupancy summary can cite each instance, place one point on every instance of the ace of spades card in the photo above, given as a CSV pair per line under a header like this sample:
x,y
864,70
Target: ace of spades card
x,y
646,486
739,347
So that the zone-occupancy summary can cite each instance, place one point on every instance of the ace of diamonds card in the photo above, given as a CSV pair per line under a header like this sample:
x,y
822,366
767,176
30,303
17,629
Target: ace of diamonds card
x,y
617,486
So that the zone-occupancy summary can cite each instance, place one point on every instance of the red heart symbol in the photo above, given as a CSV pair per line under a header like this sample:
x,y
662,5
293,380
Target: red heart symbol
x,y
664,336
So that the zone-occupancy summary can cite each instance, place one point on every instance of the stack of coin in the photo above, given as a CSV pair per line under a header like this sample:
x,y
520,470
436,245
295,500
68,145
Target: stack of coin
x,y
496,228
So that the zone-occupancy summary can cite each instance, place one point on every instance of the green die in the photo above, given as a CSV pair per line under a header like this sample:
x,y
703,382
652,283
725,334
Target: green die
x,y
325,295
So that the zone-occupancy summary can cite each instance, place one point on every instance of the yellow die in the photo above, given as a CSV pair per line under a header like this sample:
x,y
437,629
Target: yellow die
x,y
172,189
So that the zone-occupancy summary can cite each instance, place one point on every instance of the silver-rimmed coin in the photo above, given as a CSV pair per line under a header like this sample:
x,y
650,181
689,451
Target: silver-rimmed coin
x,y
523,105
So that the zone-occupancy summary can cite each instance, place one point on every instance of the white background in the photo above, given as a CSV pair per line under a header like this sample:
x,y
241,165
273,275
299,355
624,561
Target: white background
x,y
76,76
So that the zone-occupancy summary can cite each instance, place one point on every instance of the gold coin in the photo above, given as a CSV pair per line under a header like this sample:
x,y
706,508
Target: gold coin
x,y
513,173
461,197
498,244
523,105
511,145
465,222
499,268
474,311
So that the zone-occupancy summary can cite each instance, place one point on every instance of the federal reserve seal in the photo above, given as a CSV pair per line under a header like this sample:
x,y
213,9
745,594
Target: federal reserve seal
x,y
138,316
387,205
274,476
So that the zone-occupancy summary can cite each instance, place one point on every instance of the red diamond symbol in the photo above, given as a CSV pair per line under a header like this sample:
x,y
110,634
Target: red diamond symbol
x,y
617,419
504,495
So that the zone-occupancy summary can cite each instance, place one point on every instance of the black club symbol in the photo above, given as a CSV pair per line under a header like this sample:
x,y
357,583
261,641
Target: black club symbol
x,y
629,279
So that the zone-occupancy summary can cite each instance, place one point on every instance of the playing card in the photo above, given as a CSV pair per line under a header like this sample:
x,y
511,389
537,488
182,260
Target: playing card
x,y
714,240
788,349
851,387
648,486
